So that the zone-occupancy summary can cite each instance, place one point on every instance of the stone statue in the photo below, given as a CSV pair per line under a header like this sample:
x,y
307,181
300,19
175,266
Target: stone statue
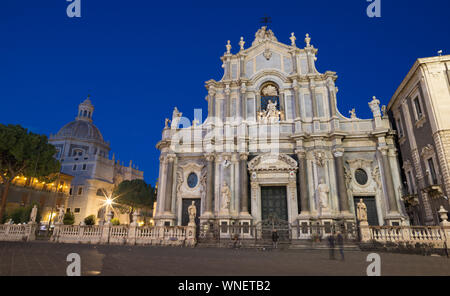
x,y
384,110
271,114
33,214
60,215
226,196
308,40
192,211
375,107
166,124
323,191
352,113
293,38
203,185
10,221
176,115
241,43
179,181
361,211
228,46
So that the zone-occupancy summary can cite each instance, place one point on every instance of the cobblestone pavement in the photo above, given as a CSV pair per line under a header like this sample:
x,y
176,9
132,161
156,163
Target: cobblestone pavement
x,y
43,258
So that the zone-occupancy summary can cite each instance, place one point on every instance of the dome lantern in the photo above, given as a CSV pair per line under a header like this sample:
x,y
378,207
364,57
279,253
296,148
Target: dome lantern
x,y
85,110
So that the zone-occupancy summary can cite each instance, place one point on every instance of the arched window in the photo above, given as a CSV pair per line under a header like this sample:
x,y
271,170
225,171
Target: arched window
x,y
101,192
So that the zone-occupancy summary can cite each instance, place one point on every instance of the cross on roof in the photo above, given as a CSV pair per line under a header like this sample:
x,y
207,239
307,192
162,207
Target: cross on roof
x,y
266,20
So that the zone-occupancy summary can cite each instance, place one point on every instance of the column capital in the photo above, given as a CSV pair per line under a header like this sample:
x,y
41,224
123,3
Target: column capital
x,y
383,149
243,156
243,88
301,153
171,157
210,156
338,152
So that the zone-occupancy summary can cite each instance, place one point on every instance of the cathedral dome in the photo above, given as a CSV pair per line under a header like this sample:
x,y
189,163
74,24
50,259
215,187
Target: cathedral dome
x,y
80,129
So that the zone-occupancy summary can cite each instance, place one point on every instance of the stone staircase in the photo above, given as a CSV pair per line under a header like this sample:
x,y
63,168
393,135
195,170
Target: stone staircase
x,y
267,244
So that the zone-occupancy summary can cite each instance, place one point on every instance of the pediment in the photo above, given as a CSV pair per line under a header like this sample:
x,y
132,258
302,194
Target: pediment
x,y
272,162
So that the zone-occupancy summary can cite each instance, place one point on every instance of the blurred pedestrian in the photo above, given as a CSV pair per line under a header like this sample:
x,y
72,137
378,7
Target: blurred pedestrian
x,y
340,243
331,244
275,238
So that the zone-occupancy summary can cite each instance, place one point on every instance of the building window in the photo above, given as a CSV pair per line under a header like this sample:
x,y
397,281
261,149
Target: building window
x,y
80,190
76,210
71,191
192,180
432,171
400,128
418,108
84,167
411,187
74,167
361,176
68,210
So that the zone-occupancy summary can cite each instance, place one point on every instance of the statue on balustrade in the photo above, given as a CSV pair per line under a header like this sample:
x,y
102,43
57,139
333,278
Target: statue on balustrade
x,y
33,214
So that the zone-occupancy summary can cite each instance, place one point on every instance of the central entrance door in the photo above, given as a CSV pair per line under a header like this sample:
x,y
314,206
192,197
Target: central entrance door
x,y
274,203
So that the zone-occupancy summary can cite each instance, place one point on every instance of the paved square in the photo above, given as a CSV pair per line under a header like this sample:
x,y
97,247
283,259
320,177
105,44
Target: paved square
x,y
43,258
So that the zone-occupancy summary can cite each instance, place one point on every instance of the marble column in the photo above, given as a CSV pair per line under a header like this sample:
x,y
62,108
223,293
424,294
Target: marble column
x,y
302,181
340,181
244,183
169,183
209,184
296,99
312,88
387,173
332,98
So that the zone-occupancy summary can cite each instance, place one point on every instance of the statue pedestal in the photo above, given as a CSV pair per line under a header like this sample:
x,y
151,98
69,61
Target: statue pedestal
x,y
394,219
166,219
364,231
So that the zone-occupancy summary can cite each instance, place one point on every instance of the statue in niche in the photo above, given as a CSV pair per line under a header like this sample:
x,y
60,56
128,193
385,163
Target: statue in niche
x,y
179,180
226,196
361,211
323,190
203,185
271,114
192,211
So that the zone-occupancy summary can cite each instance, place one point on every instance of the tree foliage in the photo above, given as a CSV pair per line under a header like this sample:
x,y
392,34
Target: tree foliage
x,y
135,193
90,220
69,218
22,214
23,153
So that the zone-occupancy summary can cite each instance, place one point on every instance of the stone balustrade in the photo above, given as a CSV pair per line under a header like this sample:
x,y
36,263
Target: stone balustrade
x,y
126,234
18,232
436,235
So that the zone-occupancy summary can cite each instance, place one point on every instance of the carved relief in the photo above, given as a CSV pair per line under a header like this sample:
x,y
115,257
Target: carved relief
x,y
427,151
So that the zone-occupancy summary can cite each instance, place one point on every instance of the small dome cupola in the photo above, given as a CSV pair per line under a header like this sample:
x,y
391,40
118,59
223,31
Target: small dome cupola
x,y
85,110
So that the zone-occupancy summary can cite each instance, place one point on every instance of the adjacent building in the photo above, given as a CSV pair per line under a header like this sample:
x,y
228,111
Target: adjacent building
x,y
420,111
274,145
49,196
84,154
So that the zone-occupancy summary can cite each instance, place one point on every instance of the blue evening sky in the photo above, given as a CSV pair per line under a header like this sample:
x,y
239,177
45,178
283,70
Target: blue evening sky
x,y
139,59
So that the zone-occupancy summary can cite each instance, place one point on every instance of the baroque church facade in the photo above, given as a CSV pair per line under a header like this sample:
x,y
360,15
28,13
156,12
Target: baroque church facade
x,y
84,154
274,145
